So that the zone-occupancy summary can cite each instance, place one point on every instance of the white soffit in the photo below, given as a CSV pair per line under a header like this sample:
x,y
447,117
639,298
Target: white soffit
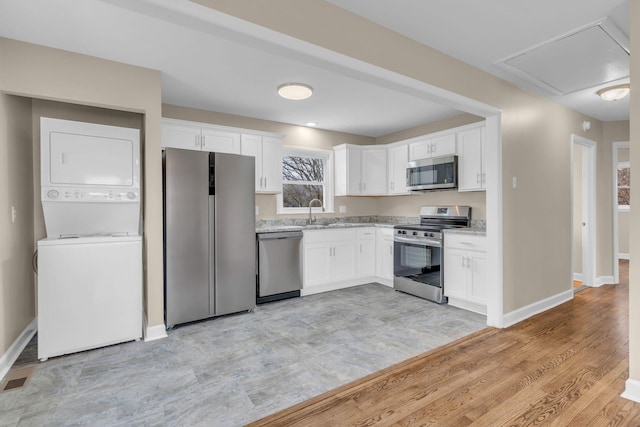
x,y
587,57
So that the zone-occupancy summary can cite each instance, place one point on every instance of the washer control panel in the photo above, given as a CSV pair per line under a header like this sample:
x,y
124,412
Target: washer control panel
x,y
94,195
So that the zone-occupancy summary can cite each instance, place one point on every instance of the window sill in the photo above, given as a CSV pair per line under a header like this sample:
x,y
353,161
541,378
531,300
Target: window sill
x,y
304,211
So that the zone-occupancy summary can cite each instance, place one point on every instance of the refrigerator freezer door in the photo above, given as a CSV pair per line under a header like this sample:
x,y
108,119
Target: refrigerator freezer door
x,y
187,236
235,279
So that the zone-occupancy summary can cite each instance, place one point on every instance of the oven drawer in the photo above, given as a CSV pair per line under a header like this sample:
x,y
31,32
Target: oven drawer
x,y
465,241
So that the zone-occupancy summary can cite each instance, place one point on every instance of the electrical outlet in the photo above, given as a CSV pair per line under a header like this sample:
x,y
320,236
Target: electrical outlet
x,y
343,209
257,210
514,182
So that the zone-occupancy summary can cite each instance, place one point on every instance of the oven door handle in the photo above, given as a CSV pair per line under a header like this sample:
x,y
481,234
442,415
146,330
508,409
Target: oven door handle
x,y
421,242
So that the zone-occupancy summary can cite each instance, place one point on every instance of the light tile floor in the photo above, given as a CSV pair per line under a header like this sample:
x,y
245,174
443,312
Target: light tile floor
x,y
232,370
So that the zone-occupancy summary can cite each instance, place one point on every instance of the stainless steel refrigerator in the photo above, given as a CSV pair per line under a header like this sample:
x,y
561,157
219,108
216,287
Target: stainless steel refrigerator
x,y
209,234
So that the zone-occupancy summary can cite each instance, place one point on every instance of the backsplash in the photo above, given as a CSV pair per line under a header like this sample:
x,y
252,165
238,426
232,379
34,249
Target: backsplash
x,y
373,219
479,223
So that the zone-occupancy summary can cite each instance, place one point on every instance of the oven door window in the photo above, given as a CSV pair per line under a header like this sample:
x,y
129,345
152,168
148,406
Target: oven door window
x,y
418,262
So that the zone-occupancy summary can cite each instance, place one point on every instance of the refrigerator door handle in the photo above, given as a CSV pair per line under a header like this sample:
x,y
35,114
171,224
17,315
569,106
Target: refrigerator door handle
x,y
212,255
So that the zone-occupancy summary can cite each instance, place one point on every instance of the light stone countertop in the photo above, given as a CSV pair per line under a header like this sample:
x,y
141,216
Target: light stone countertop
x,y
338,225
468,231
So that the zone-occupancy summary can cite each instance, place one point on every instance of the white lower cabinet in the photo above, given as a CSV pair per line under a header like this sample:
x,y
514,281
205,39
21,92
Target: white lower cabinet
x,y
465,271
329,256
384,255
366,252
338,258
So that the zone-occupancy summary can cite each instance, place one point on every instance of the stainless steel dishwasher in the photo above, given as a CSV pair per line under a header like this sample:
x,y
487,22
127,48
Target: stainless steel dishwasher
x,y
279,274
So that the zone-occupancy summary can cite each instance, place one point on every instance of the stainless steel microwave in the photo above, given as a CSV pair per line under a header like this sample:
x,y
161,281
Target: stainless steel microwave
x,y
437,173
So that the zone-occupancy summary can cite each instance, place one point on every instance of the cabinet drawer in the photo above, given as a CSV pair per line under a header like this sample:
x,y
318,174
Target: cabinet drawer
x,y
366,233
462,241
332,235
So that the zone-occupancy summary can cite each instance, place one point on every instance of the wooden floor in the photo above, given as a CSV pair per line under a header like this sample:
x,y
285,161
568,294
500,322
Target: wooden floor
x,y
564,367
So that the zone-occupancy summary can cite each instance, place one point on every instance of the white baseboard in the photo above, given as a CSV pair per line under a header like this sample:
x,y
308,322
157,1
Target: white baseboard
x,y
468,305
632,390
623,256
603,280
523,313
11,355
152,333
386,282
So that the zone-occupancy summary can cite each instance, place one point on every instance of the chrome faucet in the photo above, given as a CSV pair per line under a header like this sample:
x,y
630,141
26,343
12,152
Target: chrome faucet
x,y
310,203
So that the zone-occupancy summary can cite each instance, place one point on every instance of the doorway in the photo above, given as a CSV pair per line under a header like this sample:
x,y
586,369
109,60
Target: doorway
x,y
583,189
620,162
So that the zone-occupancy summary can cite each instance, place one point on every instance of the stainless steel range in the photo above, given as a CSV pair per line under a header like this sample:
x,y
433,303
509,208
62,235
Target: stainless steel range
x,y
418,262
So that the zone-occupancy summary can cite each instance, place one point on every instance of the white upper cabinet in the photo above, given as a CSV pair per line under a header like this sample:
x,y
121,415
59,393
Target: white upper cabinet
x,y
267,151
442,145
181,136
360,170
471,160
220,141
398,156
266,148
199,136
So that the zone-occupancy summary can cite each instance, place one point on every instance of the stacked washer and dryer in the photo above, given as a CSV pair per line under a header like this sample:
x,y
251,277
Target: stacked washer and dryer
x,y
90,264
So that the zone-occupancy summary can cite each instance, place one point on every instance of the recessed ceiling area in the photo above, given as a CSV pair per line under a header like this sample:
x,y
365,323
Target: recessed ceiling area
x,y
581,60
485,33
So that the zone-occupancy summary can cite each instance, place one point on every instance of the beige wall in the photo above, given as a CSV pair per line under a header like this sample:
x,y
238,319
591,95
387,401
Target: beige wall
x,y
634,215
17,290
623,233
452,122
44,73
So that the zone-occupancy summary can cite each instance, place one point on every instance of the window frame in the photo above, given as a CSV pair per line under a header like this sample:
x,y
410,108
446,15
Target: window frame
x,y
327,203
622,165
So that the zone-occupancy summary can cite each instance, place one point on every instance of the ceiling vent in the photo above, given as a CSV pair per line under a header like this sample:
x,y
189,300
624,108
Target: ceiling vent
x,y
587,57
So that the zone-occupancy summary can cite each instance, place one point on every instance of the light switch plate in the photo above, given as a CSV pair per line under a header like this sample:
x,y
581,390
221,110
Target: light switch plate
x,y
343,209
514,182
257,210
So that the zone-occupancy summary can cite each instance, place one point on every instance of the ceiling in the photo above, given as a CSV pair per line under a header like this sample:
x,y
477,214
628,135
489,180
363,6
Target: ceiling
x,y
213,67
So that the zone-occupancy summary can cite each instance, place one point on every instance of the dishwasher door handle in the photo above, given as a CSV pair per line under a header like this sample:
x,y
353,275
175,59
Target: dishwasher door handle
x,y
280,235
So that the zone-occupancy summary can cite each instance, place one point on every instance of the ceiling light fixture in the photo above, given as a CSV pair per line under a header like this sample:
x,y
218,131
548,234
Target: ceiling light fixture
x,y
614,93
295,91
312,124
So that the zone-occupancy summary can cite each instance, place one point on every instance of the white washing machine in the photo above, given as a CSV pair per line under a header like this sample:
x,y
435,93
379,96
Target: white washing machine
x,y
90,264
89,293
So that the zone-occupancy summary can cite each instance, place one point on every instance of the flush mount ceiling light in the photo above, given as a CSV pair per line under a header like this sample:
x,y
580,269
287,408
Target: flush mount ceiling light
x,y
295,91
614,93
